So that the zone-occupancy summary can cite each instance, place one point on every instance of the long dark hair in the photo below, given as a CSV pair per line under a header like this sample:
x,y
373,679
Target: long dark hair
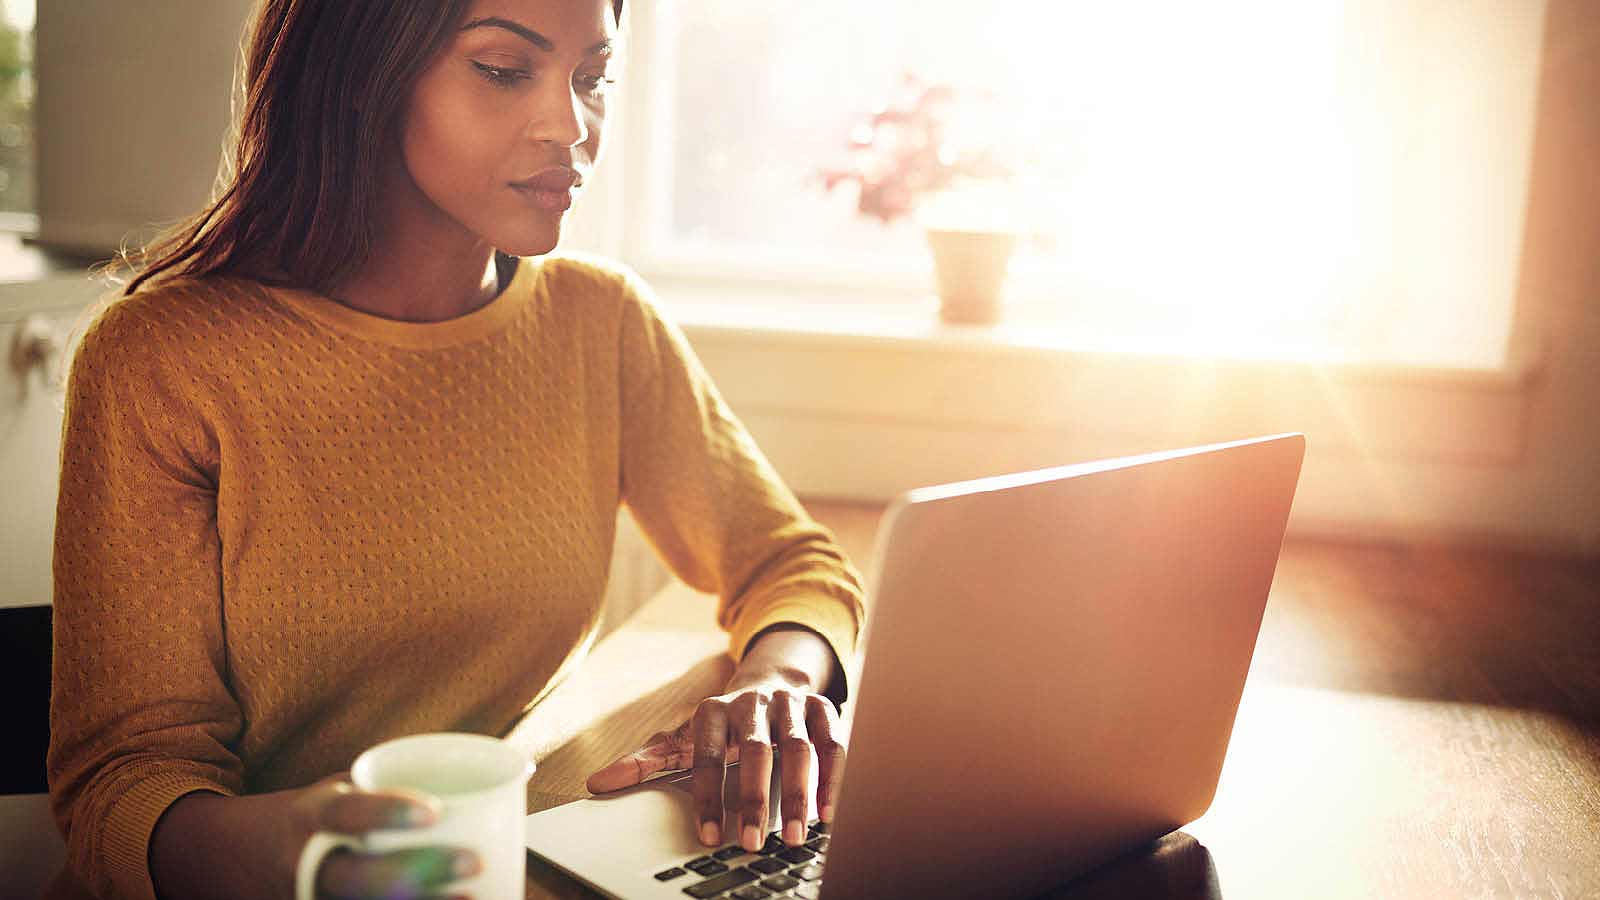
x,y
325,82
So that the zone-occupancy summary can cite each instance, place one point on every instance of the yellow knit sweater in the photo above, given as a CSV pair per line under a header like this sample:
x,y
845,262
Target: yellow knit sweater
x,y
288,530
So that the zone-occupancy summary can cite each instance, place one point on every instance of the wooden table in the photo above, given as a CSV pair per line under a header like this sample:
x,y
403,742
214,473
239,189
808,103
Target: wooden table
x,y
1418,722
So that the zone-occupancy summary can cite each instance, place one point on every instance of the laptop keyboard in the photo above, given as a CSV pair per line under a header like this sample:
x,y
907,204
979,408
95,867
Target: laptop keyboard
x,y
776,870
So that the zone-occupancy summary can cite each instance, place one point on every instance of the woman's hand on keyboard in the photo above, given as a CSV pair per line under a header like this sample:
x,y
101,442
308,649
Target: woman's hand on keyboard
x,y
745,725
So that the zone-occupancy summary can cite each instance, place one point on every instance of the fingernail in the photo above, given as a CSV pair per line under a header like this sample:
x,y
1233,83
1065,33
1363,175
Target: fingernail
x,y
416,815
793,832
464,863
752,837
827,812
710,833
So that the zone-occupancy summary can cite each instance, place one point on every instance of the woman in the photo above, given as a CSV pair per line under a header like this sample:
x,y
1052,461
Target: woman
x,y
344,460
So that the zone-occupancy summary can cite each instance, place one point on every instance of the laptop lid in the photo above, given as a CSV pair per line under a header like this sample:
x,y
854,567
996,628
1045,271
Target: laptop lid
x,y
1052,665
1053,660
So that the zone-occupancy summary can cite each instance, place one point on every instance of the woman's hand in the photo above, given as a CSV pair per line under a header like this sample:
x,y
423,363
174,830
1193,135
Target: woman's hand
x,y
210,845
338,806
745,725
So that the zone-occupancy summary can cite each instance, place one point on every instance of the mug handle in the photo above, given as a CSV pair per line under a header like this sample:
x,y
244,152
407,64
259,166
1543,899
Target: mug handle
x,y
316,849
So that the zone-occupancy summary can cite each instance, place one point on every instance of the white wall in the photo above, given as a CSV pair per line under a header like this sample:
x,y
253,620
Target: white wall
x,y
1554,488
30,440
133,107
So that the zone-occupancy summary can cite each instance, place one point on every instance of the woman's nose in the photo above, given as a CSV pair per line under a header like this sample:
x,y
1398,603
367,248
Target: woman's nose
x,y
558,118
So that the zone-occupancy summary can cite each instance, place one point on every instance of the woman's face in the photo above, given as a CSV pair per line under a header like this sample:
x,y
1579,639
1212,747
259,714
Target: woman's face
x,y
506,122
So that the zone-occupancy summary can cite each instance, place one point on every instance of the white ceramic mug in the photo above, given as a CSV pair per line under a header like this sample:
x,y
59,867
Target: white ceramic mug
x,y
482,785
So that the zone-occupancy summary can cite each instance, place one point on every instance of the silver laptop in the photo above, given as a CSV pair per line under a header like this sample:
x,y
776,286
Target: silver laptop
x,y
1050,672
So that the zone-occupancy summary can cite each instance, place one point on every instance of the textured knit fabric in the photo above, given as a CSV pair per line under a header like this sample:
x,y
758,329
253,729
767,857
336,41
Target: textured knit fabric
x,y
288,530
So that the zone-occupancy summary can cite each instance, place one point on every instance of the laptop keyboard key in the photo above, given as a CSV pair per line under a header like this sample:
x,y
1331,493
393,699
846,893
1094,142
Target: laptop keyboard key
x,y
768,866
728,852
706,867
773,845
819,828
671,873
810,890
820,845
795,855
750,892
807,873
714,886
780,882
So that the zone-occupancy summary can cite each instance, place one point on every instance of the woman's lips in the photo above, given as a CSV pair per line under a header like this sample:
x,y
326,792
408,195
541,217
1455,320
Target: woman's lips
x,y
553,200
550,188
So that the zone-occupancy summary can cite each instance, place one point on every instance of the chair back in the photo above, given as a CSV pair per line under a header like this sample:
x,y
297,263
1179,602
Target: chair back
x,y
31,848
25,673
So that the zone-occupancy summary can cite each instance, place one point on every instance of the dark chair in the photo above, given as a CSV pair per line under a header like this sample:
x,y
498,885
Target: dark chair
x,y
31,849
25,668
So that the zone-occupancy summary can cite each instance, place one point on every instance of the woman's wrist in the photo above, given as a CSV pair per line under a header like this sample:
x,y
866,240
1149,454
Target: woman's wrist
x,y
209,845
792,654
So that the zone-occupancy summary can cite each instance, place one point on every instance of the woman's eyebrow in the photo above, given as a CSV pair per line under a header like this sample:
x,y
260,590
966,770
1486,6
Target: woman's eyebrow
x,y
533,37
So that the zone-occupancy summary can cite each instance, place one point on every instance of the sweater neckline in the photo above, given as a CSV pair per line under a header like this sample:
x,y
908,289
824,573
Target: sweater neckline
x,y
482,322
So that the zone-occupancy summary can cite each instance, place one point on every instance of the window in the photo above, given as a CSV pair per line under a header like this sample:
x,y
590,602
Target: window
x,y
1326,179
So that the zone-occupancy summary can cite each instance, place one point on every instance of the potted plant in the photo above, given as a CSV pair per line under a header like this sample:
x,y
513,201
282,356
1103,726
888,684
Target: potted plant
x,y
921,154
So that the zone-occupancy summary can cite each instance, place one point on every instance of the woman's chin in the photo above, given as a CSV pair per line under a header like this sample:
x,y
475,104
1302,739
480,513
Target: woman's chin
x,y
526,238
529,246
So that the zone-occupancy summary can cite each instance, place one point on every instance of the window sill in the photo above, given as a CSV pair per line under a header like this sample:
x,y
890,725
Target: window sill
x,y
776,319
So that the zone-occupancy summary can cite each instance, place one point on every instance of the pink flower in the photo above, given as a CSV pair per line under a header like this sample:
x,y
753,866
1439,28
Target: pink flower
x,y
902,151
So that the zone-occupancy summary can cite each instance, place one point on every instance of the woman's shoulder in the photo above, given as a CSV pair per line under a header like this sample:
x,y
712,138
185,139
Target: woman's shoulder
x,y
603,281
162,319
175,301
576,270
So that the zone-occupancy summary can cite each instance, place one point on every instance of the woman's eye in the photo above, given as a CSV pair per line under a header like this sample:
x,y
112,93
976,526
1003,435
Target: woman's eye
x,y
596,84
498,76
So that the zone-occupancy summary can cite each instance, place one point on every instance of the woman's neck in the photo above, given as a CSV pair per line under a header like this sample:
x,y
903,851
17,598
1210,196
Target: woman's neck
x,y
422,286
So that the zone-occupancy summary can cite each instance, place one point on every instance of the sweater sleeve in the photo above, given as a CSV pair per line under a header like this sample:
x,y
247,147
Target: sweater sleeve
x,y
711,503
140,713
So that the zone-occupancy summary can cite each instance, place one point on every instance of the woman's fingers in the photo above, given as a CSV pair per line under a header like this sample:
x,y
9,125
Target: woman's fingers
x,y
342,808
794,749
335,805
753,735
401,875
822,723
636,767
710,729
747,728
662,750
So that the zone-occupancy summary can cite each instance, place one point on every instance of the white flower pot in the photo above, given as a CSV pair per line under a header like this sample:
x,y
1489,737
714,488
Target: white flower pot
x,y
970,269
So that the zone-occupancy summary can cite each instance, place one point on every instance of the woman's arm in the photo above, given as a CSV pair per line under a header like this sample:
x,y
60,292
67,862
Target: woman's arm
x,y
714,507
140,713
722,518
208,846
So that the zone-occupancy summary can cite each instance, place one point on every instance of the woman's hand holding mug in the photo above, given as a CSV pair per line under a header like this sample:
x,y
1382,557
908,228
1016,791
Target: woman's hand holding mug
x,y
337,808
428,815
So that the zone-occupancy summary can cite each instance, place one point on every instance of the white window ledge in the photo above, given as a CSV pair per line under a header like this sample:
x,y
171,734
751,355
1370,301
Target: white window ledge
x,y
773,317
